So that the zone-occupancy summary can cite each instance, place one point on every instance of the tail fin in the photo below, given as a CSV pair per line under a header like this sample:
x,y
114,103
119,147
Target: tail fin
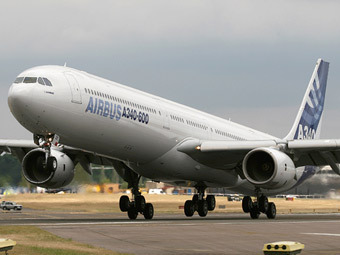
x,y
307,124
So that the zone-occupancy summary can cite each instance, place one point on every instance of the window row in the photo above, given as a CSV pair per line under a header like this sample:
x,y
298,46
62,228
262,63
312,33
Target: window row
x,y
226,134
117,99
195,124
176,118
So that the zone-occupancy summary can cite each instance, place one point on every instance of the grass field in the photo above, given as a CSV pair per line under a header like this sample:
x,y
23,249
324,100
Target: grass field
x,y
34,241
94,203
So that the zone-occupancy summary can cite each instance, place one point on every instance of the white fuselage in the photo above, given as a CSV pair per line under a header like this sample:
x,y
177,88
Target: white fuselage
x,y
126,124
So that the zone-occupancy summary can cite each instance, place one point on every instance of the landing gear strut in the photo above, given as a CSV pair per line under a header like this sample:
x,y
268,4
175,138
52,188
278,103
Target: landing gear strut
x,y
46,142
137,204
261,205
199,203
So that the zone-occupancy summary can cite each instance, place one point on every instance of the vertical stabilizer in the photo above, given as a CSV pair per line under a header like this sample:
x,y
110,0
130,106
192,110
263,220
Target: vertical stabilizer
x,y
307,124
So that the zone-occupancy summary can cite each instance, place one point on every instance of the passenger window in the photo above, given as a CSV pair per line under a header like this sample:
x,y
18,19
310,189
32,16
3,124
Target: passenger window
x,y
41,81
19,80
47,82
30,80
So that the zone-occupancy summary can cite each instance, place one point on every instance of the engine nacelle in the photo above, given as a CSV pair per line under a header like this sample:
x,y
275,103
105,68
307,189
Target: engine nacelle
x,y
268,168
57,173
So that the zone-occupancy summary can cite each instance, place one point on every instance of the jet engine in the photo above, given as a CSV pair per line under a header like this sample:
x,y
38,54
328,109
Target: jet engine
x,y
268,168
56,172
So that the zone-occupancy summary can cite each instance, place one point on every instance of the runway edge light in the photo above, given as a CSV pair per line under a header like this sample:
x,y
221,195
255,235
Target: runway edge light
x,y
283,248
6,244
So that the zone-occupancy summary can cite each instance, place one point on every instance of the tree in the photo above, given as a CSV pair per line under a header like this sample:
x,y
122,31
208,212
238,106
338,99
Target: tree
x,y
10,171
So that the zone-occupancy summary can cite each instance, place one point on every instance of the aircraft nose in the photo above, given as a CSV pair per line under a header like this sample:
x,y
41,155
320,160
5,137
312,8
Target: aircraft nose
x,y
19,99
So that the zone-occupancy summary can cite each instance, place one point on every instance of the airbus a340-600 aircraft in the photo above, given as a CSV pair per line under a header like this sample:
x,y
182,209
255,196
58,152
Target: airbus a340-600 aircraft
x,y
76,117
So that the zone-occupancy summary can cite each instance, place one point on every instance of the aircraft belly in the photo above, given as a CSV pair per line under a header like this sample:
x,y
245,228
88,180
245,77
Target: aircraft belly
x,y
175,166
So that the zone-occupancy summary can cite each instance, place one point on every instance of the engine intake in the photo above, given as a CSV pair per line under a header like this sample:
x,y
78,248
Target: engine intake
x,y
56,173
268,168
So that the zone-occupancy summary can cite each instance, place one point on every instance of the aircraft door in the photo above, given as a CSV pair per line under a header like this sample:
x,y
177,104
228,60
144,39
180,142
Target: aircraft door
x,y
75,89
165,115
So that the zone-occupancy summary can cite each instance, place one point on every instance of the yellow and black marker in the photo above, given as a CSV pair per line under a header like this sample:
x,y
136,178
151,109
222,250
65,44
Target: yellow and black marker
x,y
6,245
283,248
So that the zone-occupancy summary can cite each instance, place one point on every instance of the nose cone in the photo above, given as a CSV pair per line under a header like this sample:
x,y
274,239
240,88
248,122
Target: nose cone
x,y
19,99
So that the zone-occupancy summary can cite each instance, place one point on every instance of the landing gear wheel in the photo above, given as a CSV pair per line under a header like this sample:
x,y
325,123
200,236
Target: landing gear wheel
x,y
211,202
247,204
189,208
132,213
195,198
254,212
148,211
202,208
124,203
271,212
140,203
263,204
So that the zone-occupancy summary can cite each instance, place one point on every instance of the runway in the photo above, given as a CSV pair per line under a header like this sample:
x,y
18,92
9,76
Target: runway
x,y
176,234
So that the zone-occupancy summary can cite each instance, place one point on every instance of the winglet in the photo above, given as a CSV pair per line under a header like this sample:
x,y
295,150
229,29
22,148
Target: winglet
x,y
307,124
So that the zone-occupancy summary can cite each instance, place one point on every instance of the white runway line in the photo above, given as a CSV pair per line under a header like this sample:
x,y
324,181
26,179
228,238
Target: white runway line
x,y
170,223
321,234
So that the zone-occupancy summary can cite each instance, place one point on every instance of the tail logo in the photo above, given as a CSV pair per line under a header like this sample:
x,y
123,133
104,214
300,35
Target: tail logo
x,y
311,115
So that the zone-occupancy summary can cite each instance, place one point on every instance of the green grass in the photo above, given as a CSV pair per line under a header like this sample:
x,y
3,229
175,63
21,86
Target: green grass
x,y
52,251
35,241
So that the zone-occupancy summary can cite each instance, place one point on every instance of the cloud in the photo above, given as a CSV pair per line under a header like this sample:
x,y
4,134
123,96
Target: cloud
x,y
54,27
213,55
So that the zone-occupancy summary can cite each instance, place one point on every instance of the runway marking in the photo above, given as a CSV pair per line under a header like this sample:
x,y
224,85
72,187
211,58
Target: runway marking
x,y
168,223
321,234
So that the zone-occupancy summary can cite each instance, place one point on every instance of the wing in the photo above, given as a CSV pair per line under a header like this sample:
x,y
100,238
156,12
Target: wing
x,y
19,148
230,154
315,152
221,154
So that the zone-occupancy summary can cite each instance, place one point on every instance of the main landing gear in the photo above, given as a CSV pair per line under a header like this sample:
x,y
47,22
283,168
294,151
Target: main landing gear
x,y
200,204
136,205
262,205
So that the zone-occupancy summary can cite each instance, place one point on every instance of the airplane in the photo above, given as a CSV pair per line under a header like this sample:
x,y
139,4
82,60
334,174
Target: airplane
x,y
76,117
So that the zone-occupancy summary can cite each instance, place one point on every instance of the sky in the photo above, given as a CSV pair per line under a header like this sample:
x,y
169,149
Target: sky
x,y
248,61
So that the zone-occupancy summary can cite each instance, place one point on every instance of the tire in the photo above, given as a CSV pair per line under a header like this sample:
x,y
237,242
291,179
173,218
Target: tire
x,y
263,204
202,208
124,203
247,204
5,208
271,212
195,198
52,164
254,212
132,213
15,208
140,203
148,211
189,208
211,202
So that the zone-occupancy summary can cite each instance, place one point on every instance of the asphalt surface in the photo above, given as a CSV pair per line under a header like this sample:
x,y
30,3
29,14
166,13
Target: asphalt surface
x,y
176,234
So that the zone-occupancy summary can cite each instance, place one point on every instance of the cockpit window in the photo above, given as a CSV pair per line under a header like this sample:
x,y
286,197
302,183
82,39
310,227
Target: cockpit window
x,y
41,81
19,80
47,82
30,80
